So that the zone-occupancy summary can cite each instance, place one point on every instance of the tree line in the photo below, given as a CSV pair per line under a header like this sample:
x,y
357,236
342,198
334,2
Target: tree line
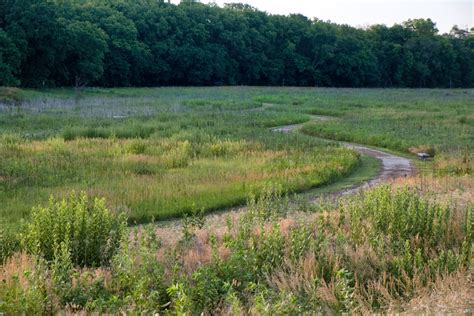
x,y
48,43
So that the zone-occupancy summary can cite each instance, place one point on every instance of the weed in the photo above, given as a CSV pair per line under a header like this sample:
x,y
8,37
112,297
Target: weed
x,y
81,224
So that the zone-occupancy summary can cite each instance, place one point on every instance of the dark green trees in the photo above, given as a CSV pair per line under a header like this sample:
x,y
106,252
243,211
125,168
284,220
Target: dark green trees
x,y
151,43
85,46
10,60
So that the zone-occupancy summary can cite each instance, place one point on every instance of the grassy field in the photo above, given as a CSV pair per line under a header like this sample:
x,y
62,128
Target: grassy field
x,y
159,153
154,153
407,121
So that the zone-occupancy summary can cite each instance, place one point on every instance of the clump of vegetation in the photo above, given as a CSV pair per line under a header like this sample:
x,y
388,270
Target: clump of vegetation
x,y
80,225
375,251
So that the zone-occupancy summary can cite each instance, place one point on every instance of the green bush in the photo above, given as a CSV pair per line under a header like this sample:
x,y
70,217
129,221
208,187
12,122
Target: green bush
x,y
91,232
137,275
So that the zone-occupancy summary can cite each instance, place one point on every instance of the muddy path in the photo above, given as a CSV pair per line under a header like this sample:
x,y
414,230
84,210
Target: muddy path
x,y
392,167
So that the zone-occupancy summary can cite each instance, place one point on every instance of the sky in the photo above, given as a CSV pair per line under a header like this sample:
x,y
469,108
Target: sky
x,y
361,13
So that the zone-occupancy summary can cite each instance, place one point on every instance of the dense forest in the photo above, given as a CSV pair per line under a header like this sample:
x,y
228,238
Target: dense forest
x,y
48,43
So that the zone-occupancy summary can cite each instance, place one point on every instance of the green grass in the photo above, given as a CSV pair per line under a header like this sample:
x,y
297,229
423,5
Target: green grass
x,y
400,120
369,168
155,156
160,152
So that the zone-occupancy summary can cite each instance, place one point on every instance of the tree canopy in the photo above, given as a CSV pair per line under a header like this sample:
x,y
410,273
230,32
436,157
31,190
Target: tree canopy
x,y
47,43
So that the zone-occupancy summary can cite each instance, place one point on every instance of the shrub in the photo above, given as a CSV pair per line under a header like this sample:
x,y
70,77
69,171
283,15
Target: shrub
x,y
137,275
177,155
91,231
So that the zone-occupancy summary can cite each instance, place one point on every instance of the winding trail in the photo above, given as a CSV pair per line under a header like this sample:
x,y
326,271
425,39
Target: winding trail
x,y
392,167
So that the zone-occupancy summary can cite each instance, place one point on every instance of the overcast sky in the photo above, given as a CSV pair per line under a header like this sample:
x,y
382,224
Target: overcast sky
x,y
361,13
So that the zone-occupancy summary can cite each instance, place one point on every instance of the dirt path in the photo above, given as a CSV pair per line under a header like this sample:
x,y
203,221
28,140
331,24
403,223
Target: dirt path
x,y
392,167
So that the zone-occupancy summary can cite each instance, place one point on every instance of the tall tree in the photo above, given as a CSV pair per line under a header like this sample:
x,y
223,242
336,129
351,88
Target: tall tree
x,y
86,45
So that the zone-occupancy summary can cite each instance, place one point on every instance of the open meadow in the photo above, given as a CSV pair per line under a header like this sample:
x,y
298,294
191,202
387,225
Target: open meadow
x,y
80,172
156,153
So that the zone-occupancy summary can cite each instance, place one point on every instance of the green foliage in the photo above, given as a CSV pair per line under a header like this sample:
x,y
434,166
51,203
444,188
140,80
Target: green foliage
x,y
9,244
111,43
80,224
10,60
400,215
343,290
137,276
86,45
424,239
61,272
381,247
191,222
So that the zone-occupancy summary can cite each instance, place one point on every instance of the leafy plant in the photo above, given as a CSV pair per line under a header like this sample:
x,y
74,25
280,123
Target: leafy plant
x,y
91,232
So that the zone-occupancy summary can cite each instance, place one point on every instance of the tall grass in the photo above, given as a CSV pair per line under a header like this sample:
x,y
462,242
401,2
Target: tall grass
x,y
373,253
171,176
167,173
162,152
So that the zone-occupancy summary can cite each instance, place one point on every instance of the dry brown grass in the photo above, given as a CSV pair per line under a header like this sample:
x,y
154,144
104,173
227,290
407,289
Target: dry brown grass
x,y
448,185
295,278
452,294
14,269
197,256
460,163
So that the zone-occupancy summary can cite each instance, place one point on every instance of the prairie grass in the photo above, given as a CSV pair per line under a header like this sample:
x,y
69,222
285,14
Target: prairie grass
x,y
159,153
388,249
160,178
195,154
435,121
